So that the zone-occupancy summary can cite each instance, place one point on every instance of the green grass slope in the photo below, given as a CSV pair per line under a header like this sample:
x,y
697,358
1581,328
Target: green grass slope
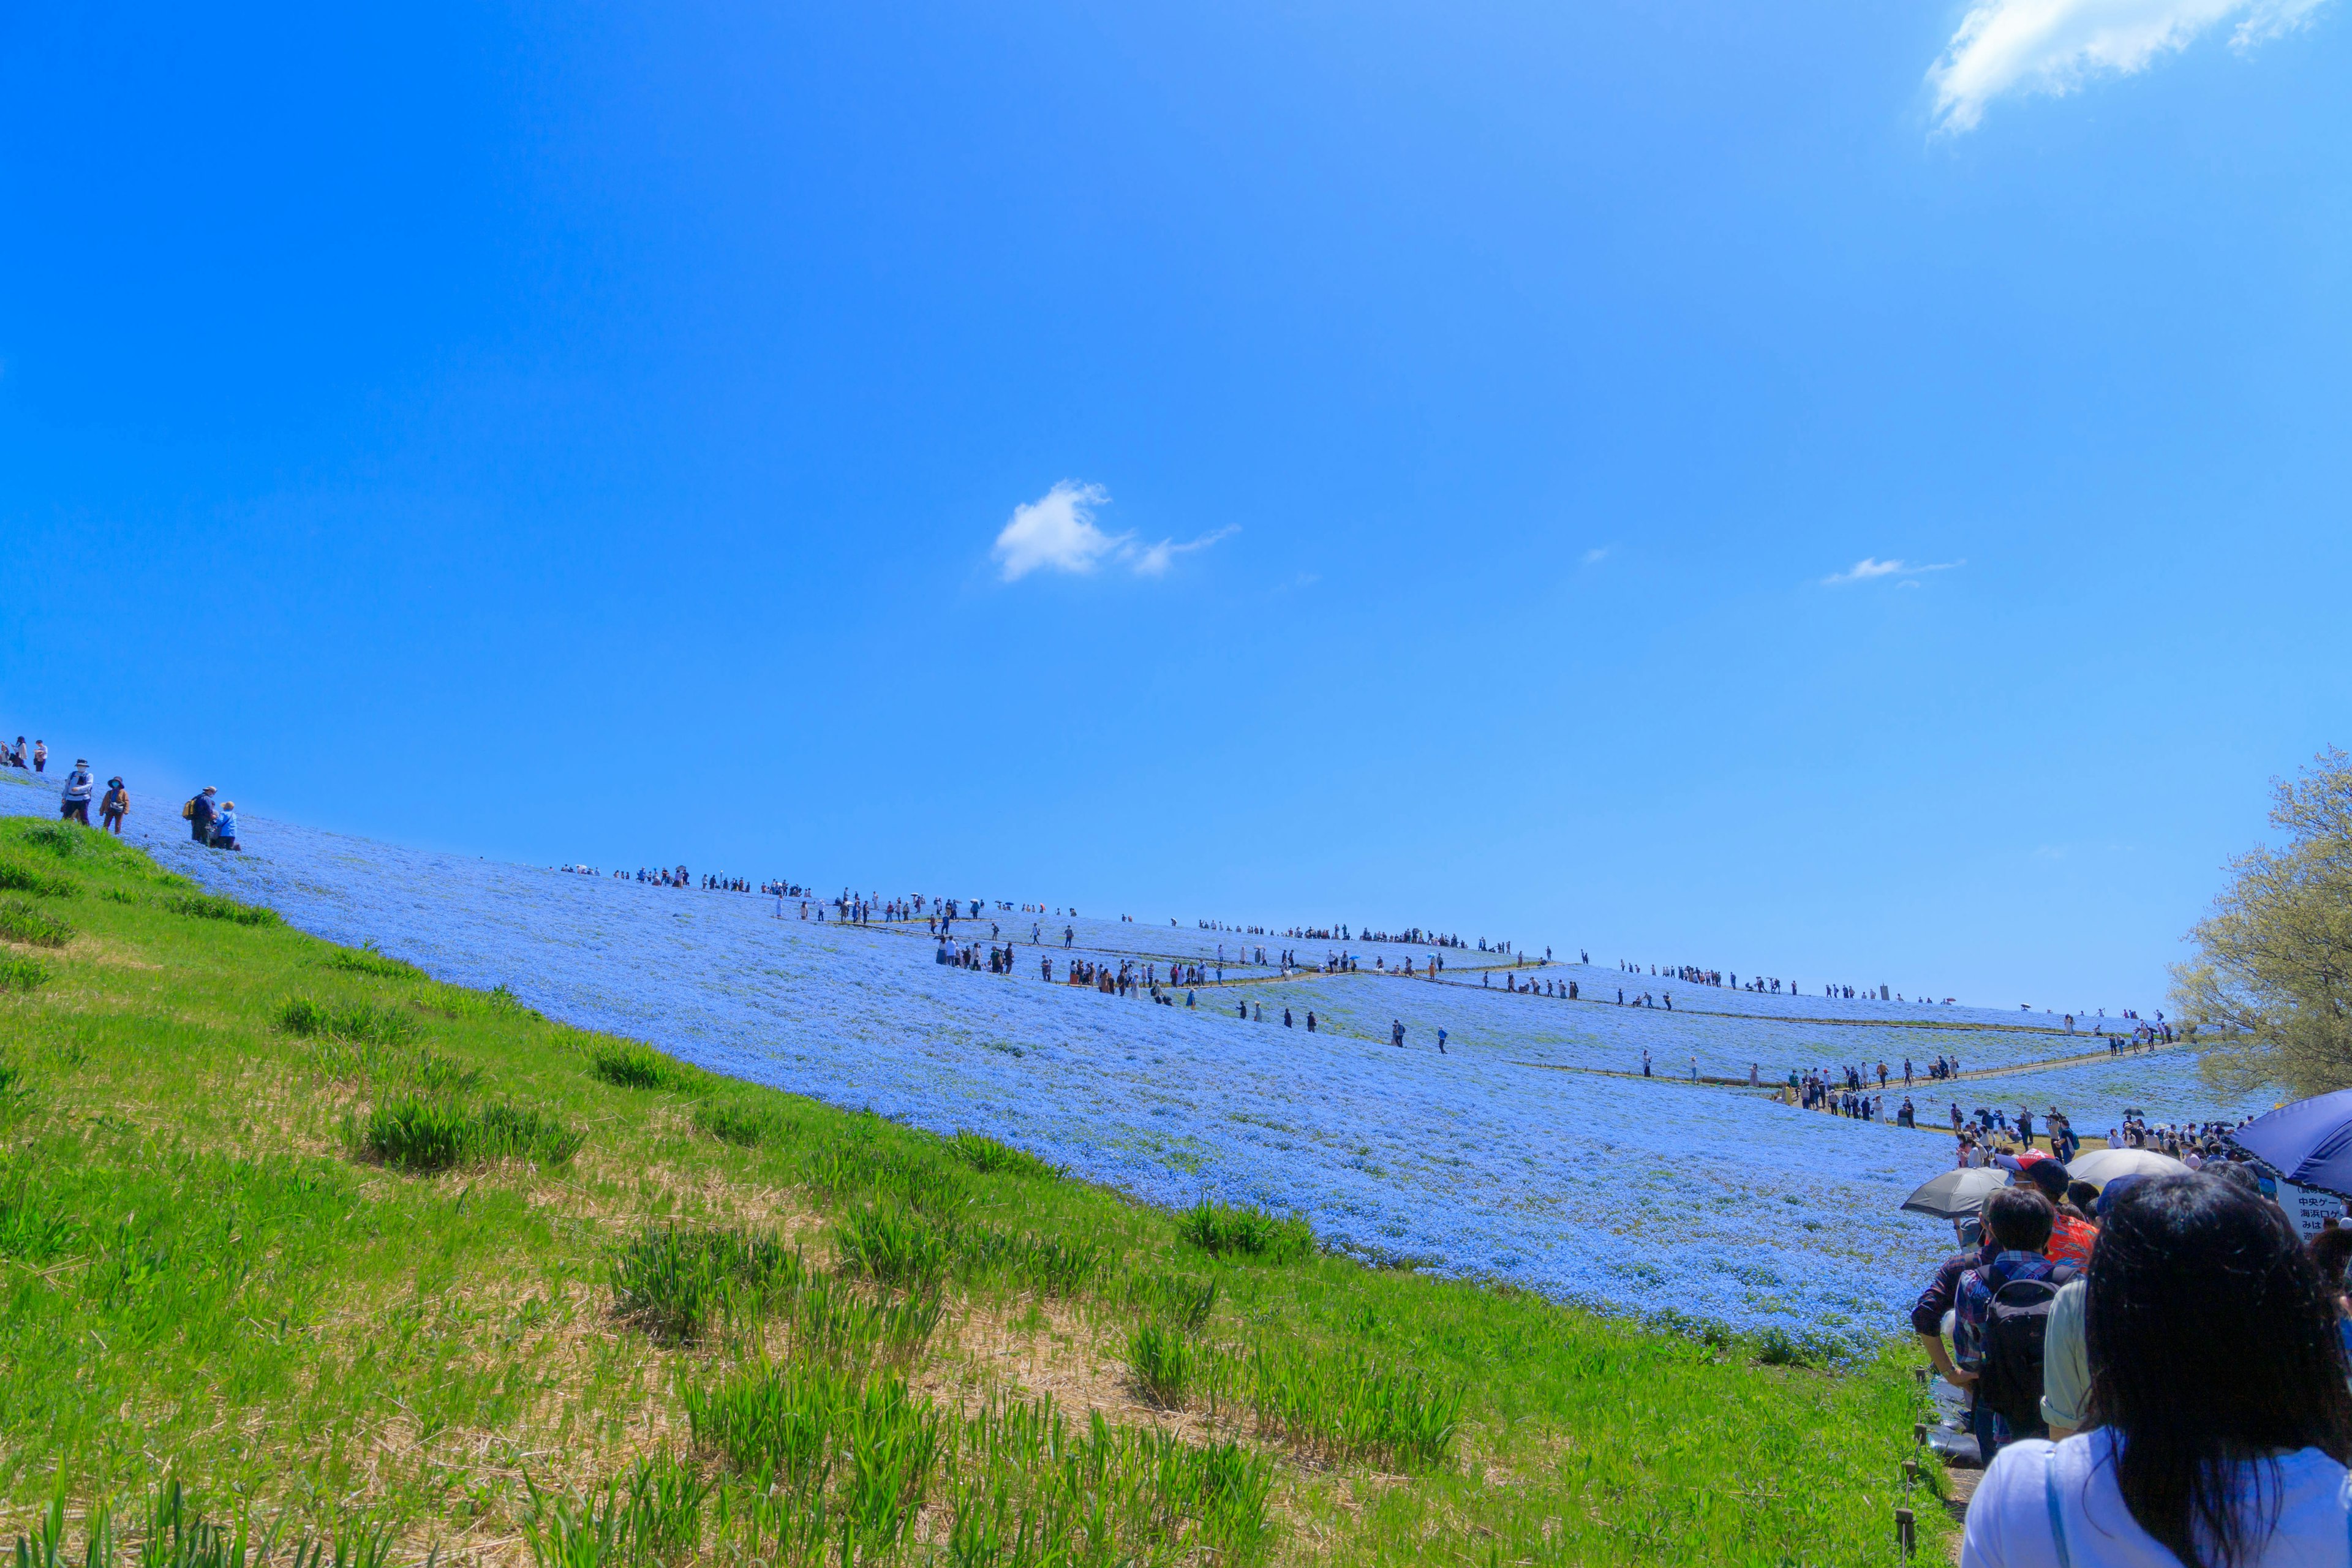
x,y
301,1251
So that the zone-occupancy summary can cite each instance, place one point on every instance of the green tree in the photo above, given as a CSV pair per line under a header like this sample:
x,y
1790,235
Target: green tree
x,y
2272,972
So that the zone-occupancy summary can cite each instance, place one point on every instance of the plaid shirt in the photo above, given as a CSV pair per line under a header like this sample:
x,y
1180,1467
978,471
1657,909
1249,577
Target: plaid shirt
x,y
1977,1288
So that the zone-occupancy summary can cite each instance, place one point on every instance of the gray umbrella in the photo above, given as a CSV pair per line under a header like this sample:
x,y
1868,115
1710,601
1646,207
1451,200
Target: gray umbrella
x,y
1955,1194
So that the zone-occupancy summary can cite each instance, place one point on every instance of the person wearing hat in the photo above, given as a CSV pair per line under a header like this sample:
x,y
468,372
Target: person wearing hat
x,y
200,812
115,807
224,828
2071,1239
75,805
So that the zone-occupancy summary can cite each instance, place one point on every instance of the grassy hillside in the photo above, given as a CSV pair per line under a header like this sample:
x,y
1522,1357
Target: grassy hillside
x,y
291,1235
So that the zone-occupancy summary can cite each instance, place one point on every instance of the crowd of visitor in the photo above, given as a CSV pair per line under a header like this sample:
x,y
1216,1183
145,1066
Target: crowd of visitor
x,y
212,821
2155,1372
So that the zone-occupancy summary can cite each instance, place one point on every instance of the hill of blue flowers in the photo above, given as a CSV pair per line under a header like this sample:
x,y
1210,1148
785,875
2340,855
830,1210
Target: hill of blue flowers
x,y
1531,1152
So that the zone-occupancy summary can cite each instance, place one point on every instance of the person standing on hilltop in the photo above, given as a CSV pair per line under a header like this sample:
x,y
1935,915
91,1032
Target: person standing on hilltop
x,y
224,828
40,756
200,812
115,807
75,806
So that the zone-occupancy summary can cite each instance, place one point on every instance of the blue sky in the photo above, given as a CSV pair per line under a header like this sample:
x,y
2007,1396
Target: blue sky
x,y
1391,464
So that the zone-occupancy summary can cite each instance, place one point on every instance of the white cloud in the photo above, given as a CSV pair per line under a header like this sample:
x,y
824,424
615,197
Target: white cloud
x,y
1152,561
2054,45
1057,530
1869,569
1594,557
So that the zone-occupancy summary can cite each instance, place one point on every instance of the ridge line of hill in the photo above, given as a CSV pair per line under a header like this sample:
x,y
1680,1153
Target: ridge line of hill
x,y
906,928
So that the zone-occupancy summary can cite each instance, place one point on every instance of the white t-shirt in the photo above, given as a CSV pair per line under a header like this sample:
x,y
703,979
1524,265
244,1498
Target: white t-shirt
x,y
2008,1518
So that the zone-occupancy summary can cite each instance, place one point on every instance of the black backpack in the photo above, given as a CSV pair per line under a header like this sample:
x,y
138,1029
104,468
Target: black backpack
x,y
2009,1378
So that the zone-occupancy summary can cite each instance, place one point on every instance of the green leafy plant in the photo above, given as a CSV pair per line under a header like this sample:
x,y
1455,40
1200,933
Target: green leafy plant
x,y
509,1131
1344,1405
62,839
735,1121
1048,1265
1162,1361
416,1133
18,877
893,1246
425,1134
1178,1298
1245,1231
894,1438
676,1281
1776,1346
778,1422
20,972
987,1154
628,1065
21,921
366,960
344,1020
210,907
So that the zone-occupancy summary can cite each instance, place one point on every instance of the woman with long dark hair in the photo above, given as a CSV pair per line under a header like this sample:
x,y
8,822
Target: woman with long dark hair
x,y
2222,1422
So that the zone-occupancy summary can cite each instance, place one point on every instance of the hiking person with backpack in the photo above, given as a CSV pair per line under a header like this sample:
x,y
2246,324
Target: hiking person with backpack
x,y
2222,1420
115,807
199,812
2001,1315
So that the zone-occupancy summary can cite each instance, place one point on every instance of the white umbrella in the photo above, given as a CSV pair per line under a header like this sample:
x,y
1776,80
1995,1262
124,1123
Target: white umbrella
x,y
2101,1167
1955,1194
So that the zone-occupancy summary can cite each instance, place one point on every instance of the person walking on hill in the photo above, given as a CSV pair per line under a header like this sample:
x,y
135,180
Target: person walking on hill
x,y
200,812
2222,1422
115,807
1990,1314
75,806
224,828
40,756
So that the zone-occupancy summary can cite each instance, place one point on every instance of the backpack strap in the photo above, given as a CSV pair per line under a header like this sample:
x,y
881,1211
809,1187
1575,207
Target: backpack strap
x,y
2057,1516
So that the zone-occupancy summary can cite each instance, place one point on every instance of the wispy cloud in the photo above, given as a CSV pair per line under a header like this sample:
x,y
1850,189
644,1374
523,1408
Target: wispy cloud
x,y
2055,46
1153,560
1596,555
1870,569
1057,530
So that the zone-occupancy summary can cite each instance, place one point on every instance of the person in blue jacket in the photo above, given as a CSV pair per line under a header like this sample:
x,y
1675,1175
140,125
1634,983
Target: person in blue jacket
x,y
224,828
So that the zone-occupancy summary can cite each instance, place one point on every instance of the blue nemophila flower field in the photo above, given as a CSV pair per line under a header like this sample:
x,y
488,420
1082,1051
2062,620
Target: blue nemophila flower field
x,y
2163,1086
1493,1160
